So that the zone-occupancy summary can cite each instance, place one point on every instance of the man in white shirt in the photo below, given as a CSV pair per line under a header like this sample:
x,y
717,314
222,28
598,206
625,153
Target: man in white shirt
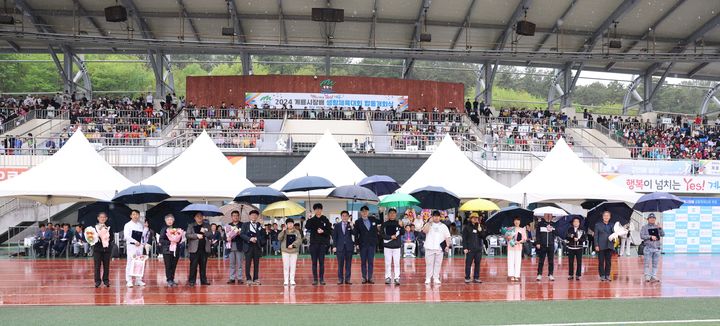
x,y
435,233
133,247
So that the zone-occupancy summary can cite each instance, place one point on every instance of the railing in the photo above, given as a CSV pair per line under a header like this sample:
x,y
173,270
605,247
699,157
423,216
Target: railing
x,y
20,120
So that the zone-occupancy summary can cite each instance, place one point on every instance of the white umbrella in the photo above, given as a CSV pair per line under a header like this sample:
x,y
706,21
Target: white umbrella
x,y
541,211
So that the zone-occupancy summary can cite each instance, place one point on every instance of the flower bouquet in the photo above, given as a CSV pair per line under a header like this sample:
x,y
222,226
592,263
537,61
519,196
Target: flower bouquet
x,y
509,234
231,232
175,235
91,235
104,235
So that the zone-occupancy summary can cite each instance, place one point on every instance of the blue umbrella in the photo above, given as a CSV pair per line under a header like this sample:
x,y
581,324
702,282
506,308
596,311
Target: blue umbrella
x,y
156,215
380,184
619,212
260,195
205,209
563,224
141,194
354,192
658,202
436,198
307,183
505,217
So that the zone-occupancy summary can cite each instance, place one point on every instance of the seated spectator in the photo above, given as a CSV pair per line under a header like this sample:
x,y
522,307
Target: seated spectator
x,y
64,238
42,240
80,242
408,240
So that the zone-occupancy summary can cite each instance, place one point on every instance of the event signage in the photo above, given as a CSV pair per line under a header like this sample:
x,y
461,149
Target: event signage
x,y
694,227
327,100
696,184
7,173
625,166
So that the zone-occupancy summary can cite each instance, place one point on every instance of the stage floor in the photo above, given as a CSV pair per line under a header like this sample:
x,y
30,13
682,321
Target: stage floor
x,y
70,282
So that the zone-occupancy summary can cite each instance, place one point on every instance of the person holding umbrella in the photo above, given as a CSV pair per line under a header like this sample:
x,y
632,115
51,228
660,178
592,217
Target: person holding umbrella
x,y
651,234
545,245
575,238
436,233
320,230
472,240
199,247
366,238
253,237
604,246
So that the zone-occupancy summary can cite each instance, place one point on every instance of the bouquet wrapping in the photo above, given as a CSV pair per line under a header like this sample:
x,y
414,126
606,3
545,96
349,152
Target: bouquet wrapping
x,y
175,235
104,235
91,235
618,231
231,232
509,234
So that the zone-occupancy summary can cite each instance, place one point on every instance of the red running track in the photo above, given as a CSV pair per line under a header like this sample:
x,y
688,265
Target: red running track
x,y
70,282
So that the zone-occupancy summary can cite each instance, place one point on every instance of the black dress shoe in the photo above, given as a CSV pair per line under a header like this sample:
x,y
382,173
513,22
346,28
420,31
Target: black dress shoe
x,y
315,282
204,283
191,284
364,281
231,282
348,282
371,281
477,280
107,284
97,284
340,282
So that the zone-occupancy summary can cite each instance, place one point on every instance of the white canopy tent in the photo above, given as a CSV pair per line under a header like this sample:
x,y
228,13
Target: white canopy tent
x,y
75,173
201,172
448,167
328,160
563,177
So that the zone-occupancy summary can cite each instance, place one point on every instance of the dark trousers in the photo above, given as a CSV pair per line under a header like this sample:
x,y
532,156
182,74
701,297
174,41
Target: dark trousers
x,y
367,258
317,253
604,262
252,256
575,255
344,259
198,259
473,258
102,258
548,252
170,261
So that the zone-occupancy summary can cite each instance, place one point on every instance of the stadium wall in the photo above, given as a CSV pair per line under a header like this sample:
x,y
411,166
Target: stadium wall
x,y
207,90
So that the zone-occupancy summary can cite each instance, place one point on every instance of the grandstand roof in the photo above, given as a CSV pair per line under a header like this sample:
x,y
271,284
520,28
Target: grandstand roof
x,y
75,173
449,168
568,31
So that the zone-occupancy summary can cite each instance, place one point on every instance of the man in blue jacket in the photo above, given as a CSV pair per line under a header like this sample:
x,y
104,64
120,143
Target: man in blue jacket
x,y
366,237
604,246
343,240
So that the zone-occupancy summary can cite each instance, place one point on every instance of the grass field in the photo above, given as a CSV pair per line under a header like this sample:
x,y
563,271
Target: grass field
x,y
577,312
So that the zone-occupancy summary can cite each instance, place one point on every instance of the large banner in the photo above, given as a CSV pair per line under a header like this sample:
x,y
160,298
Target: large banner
x,y
7,173
627,166
694,184
325,100
694,227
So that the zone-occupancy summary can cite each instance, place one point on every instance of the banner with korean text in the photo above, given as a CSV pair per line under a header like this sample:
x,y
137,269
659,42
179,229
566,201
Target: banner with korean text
x,y
327,100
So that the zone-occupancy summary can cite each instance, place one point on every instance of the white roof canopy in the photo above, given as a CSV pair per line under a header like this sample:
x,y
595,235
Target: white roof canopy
x,y
75,173
562,176
448,167
328,160
201,172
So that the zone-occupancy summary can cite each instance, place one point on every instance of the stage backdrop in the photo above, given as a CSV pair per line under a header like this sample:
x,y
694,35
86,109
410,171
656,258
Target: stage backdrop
x,y
207,90
694,227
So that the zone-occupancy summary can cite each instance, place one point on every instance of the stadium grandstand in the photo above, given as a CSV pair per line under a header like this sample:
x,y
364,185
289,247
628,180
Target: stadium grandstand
x,y
461,147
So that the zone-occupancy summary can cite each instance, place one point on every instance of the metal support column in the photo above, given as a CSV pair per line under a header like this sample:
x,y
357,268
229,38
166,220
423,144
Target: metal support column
x,y
246,64
710,96
328,65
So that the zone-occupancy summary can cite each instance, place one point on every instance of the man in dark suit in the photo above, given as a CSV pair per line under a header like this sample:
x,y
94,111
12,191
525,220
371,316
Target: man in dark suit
x,y
343,240
472,241
253,237
42,240
604,246
199,246
102,253
366,237
64,237
169,251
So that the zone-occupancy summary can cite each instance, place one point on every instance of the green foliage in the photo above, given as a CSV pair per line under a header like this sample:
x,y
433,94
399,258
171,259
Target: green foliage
x,y
16,77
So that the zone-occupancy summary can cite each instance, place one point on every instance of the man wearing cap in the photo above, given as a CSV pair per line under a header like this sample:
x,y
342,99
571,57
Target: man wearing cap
x,y
472,241
651,234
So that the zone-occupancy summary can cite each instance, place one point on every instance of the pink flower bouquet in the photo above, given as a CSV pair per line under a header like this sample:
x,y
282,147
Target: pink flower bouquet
x,y
104,234
231,233
175,235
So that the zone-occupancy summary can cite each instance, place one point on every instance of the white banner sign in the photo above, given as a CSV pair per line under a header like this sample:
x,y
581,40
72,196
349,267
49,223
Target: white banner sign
x,y
327,100
693,184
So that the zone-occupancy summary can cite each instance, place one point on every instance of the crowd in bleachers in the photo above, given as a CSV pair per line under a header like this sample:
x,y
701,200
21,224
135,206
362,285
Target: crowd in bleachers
x,y
229,126
522,129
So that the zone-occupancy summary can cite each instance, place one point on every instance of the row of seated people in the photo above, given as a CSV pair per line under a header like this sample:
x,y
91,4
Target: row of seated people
x,y
54,240
418,135
673,142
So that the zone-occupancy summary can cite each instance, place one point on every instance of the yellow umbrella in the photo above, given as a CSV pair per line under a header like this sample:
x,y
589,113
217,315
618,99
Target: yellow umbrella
x,y
479,205
283,208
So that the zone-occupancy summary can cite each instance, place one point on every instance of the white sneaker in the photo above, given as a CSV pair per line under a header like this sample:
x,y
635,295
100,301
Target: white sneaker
x,y
139,283
427,281
292,282
552,278
538,278
437,281
285,283
129,284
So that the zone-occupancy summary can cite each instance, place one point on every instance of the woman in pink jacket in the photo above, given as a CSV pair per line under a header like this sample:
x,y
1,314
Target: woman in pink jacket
x,y
514,250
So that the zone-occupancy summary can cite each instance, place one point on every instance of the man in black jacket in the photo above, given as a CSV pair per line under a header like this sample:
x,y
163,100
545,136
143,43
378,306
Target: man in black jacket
x,y
604,246
169,251
472,240
366,238
101,253
342,238
391,233
320,230
253,237
545,245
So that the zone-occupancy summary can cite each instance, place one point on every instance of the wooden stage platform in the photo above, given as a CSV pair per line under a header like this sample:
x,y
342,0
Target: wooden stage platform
x,y
69,282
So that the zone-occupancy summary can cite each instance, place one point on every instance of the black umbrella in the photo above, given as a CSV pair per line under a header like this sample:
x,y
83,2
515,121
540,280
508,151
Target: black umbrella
x,y
563,224
380,184
354,192
619,212
505,217
204,209
260,195
436,198
141,194
658,202
118,215
156,215
307,183
590,203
